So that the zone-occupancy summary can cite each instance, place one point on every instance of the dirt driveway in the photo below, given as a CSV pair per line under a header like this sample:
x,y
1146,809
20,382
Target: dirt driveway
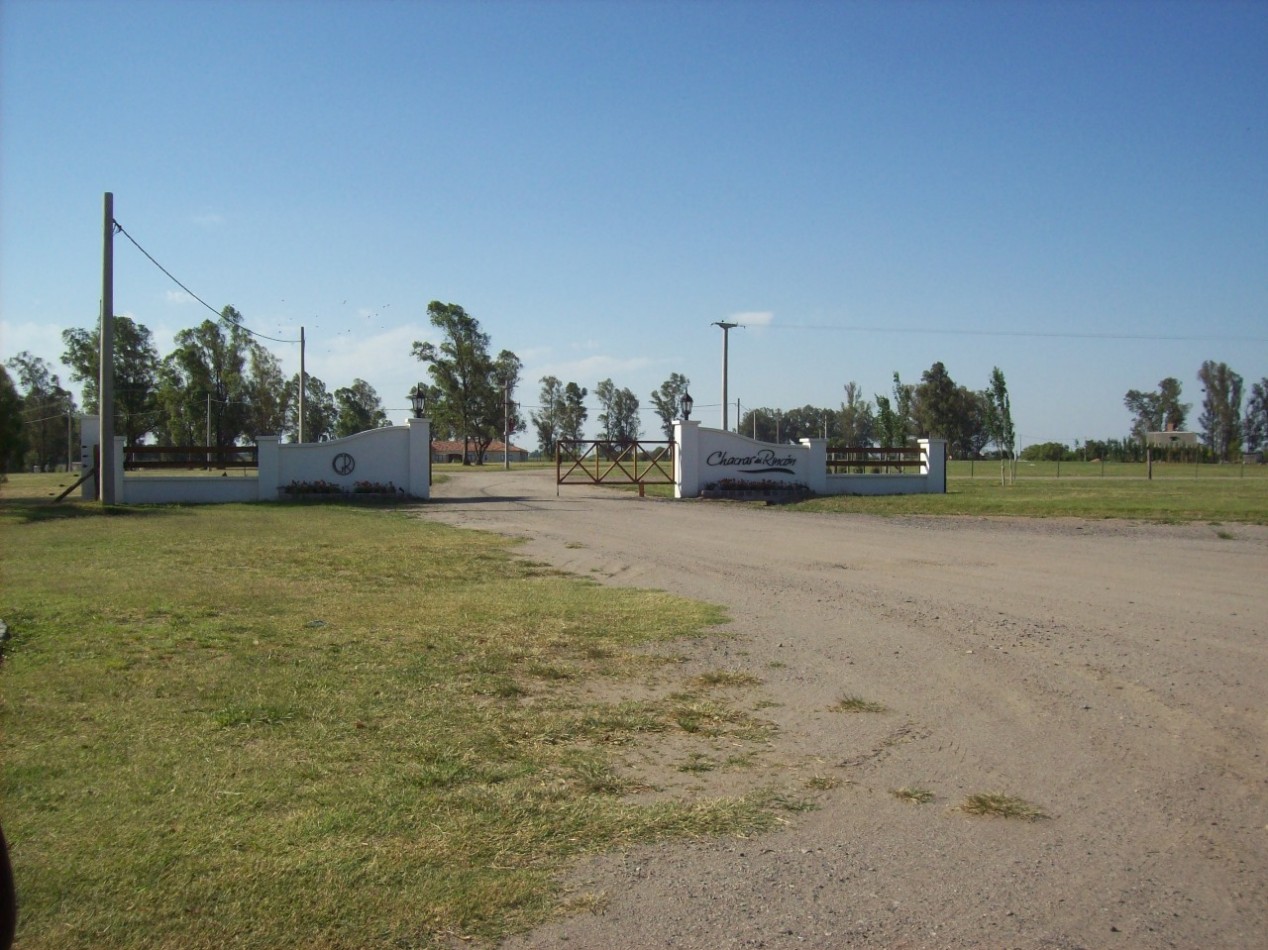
x,y
1114,674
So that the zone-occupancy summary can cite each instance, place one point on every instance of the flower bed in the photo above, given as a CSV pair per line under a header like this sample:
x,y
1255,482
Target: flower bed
x,y
324,490
767,490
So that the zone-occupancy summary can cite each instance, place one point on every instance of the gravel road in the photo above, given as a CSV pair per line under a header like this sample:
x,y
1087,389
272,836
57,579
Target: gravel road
x,y
1112,673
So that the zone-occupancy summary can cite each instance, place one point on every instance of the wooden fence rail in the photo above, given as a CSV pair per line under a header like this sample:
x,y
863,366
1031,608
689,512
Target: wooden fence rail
x,y
859,459
189,456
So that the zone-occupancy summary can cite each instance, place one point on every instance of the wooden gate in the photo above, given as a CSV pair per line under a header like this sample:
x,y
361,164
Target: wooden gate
x,y
603,462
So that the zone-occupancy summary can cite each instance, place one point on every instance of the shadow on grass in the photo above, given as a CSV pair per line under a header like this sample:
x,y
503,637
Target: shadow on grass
x,y
27,510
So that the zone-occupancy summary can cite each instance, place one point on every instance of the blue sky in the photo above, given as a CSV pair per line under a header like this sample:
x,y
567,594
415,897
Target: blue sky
x,y
1074,192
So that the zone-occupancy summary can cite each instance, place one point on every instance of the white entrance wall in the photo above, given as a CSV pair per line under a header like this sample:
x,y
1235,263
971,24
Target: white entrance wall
x,y
706,456
397,456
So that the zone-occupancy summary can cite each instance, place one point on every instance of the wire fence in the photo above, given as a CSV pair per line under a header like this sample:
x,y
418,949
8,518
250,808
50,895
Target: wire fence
x,y
988,469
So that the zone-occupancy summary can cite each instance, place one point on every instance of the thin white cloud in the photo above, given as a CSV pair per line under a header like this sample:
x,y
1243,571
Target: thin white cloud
x,y
39,339
753,318
591,369
534,354
210,219
177,297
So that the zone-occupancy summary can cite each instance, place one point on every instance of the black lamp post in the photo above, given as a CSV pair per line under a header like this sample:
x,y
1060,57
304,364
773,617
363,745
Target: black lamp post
x,y
687,403
418,399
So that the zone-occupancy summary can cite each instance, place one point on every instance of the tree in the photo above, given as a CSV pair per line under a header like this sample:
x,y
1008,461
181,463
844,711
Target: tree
x,y
1221,409
936,406
887,425
1174,412
619,418
760,424
904,398
575,412
804,422
857,419
470,384
319,410
498,414
548,419
12,438
136,365
973,436
45,411
358,408
1046,452
999,419
893,420
265,391
1159,411
941,409
1255,424
668,401
214,385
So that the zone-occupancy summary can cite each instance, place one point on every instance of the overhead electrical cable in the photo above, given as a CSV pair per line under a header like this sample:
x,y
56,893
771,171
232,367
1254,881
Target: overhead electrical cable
x,y
1048,334
119,227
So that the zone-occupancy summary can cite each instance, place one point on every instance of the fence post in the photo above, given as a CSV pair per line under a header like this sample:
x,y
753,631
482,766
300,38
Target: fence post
x,y
116,464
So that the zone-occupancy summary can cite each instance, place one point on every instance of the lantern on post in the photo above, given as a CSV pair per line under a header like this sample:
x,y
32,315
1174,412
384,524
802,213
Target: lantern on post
x,y
418,399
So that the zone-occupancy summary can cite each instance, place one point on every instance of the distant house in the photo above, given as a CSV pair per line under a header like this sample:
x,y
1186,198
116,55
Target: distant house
x,y
452,452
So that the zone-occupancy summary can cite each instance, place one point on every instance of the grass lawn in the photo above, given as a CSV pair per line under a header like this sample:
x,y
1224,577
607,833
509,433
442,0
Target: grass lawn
x,y
321,726
1162,499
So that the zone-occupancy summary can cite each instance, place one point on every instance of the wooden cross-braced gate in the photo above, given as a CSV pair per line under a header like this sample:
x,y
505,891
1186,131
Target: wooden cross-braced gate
x,y
605,462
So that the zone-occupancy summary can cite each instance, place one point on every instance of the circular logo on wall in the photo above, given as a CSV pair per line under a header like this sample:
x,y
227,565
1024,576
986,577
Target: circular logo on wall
x,y
343,464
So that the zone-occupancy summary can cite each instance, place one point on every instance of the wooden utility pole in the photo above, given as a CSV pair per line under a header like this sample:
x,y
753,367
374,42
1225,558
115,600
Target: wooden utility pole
x,y
105,383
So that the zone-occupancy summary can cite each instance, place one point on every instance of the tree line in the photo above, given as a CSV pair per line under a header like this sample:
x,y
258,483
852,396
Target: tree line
x,y
217,387
936,407
471,396
220,387
973,421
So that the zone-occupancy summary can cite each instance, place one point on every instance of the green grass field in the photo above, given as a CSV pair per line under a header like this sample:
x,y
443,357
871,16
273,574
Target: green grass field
x,y
322,726
1174,499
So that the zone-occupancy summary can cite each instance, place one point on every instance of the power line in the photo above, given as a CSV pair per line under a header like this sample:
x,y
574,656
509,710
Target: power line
x,y
1045,334
119,227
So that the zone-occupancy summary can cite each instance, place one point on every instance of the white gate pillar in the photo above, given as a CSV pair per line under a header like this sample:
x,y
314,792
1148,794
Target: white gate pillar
x,y
268,467
817,476
934,465
419,458
686,458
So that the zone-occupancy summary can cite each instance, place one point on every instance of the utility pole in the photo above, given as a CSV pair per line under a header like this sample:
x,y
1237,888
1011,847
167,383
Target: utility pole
x,y
506,427
105,383
301,384
727,327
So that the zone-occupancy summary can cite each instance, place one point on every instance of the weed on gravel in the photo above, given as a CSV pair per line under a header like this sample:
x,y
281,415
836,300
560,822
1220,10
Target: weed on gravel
x,y
856,704
1001,806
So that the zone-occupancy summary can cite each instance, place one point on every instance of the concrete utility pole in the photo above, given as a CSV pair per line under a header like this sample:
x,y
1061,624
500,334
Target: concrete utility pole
x,y
105,382
506,427
726,333
302,387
